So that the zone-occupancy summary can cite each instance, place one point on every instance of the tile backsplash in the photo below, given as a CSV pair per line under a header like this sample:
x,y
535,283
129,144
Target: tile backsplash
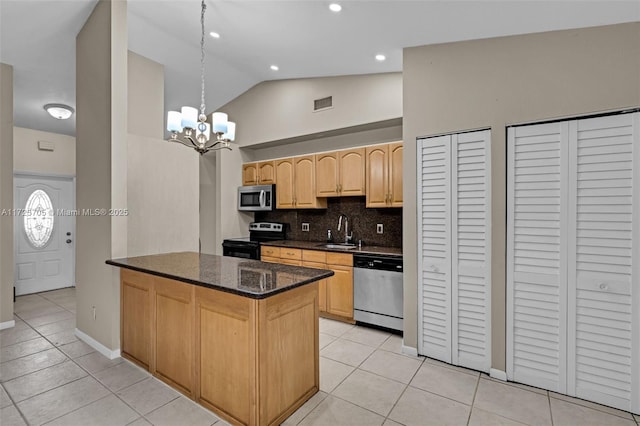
x,y
362,222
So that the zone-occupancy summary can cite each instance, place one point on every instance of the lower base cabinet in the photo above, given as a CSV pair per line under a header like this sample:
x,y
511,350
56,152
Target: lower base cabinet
x,y
251,361
335,294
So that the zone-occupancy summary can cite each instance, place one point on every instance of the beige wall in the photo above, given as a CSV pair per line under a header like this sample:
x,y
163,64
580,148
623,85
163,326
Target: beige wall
x,y
6,192
28,158
101,169
162,189
272,113
208,204
282,109
497,82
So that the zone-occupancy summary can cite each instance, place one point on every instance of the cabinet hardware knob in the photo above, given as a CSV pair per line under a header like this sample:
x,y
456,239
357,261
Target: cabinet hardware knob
x,y
604,286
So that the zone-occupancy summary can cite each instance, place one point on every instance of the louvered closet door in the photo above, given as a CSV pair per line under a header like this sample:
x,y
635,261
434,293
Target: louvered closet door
x,y
434,235
471,263
536,255
454,261
603,261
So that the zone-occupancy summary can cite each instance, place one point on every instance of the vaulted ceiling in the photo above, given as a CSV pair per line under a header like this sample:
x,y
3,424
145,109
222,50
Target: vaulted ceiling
x,y
302,37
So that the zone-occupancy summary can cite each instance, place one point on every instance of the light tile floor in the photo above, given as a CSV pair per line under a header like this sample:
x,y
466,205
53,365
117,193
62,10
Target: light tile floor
x,y
48,376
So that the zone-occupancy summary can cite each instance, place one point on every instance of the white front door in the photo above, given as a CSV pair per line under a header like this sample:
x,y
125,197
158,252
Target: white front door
x,y
43,233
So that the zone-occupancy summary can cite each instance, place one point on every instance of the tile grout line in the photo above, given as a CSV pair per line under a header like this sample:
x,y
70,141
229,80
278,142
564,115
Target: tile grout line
x,y
473,400
550,410
14,405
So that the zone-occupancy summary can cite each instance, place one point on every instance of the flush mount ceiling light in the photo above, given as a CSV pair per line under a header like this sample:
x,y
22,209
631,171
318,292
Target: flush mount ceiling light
x,y
190,128
214,34
275,67
380,57
335,7
59,111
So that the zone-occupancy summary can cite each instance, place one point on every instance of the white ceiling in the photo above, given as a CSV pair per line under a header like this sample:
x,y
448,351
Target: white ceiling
x,y
302,37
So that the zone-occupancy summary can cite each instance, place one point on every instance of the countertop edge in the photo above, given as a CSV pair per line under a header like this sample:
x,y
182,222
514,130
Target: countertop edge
x,y
114,262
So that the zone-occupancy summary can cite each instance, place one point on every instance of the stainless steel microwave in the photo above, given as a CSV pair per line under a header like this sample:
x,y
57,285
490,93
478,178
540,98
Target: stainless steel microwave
x,y
257,198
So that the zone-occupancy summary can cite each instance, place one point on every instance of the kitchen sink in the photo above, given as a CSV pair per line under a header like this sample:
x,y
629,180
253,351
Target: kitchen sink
x,y
343,246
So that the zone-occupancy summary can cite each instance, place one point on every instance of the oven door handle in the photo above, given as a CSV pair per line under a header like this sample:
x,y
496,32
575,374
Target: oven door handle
x,y
263,198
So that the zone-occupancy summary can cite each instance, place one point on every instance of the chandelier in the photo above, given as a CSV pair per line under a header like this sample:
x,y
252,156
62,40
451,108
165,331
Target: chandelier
x,y
190,128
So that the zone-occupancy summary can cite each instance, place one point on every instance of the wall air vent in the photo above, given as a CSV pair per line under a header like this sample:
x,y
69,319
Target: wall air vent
x,y
322,104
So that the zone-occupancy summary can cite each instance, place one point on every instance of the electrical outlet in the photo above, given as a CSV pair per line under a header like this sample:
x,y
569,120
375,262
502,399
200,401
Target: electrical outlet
x,y
380,228
305,227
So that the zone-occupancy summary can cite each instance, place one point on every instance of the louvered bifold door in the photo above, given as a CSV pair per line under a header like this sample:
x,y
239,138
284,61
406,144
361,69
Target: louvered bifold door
x,y
603,319
536,255
471,248
434,240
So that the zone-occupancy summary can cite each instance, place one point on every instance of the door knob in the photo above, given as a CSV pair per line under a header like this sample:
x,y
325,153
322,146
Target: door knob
x,y
68,241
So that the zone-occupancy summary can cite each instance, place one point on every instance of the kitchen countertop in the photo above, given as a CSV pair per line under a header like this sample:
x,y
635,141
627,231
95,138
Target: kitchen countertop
x,y
318,245
249,278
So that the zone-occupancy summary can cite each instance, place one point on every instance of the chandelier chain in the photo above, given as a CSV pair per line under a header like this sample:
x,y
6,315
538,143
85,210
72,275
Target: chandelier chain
x,y
202,105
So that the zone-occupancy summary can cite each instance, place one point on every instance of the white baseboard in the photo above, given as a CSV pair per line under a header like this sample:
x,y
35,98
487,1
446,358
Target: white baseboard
x,y
7,324
498,374
97,345
408,350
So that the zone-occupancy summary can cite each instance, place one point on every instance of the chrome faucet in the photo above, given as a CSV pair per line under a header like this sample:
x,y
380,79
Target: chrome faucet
x,y
347,236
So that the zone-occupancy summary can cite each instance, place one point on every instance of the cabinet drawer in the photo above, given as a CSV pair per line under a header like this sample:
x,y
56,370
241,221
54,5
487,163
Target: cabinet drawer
x,y
314,256
270,259
269,251
289,253
293,262
339,259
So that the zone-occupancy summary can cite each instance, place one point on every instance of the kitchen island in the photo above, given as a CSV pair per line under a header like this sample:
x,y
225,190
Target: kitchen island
x,y
238,336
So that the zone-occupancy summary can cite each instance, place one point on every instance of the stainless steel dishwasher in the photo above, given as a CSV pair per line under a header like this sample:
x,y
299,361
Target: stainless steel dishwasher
x,y
377,290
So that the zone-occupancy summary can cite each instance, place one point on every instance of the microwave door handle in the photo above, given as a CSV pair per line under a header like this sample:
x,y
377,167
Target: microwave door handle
x,y
263,198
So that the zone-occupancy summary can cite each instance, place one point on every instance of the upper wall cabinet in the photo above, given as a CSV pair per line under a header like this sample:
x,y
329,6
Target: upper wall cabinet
x,y
296,179
261,173
340,173
384,175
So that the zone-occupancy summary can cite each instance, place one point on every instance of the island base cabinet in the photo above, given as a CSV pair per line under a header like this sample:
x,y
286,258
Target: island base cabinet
x,y
174,361
225,364
288,352
251,361
135,324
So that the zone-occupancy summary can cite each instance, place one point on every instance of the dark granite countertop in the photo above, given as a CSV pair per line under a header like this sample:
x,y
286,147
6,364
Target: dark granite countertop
x,y
318,245
249,278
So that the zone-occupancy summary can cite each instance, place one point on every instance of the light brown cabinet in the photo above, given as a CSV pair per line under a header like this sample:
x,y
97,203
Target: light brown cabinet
x,y
260,173
174,333
296,183
251,361
384,175
135,326
335,297
340,173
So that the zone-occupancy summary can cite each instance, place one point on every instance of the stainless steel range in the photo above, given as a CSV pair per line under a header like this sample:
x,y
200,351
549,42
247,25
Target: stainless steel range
x,y
249,247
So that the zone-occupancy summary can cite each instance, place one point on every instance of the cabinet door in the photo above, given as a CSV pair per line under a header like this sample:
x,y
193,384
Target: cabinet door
x,y
174,345
340,291
266,173
351,167
377,177
327,174
135,319
322,284
284,187
395,174
305,183
250,174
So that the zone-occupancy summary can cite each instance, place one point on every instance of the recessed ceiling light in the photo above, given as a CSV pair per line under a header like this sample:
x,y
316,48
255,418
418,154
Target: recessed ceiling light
x,y
59,111
335,7
274,67
380,57
214,34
